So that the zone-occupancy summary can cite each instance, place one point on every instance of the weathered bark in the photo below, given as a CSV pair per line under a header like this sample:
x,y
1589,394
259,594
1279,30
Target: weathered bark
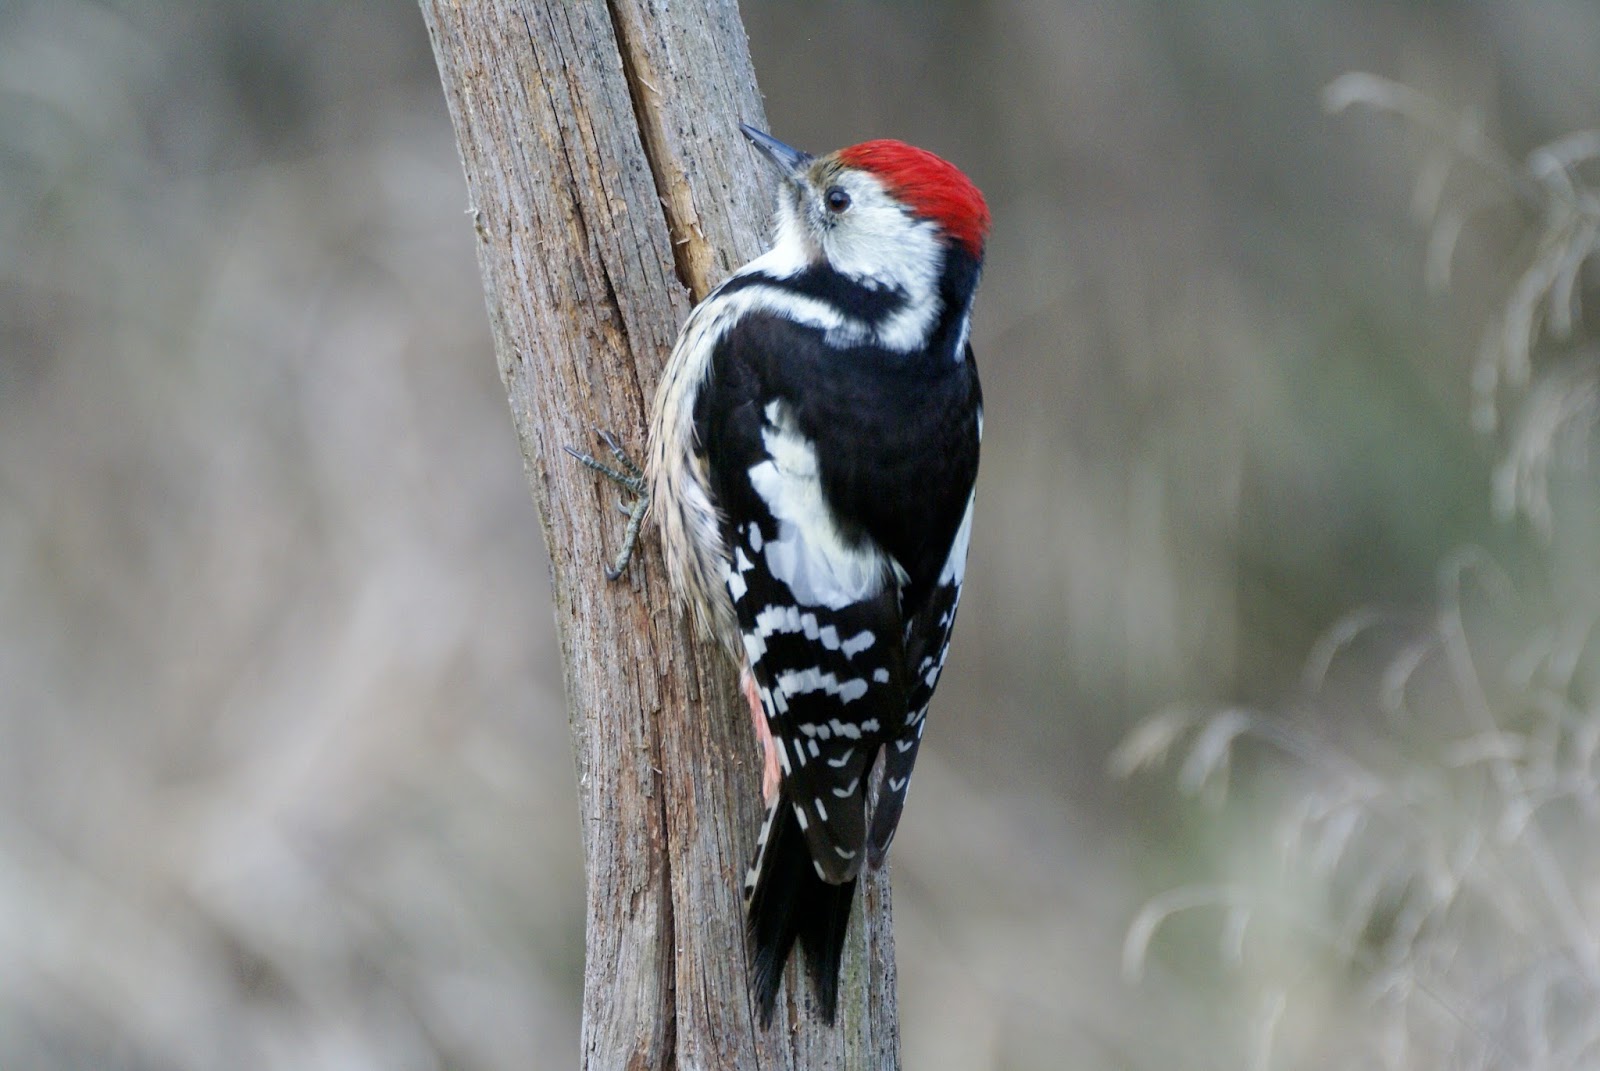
x,y
609,184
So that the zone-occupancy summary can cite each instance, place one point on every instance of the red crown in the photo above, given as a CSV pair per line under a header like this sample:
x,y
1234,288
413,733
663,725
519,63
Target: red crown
x,y
933,187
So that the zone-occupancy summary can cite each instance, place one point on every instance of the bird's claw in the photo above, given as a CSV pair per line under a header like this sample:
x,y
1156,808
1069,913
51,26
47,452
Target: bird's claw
x,y
628,475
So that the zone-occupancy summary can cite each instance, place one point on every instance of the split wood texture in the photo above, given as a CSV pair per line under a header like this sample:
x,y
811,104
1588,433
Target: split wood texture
x,y
610,188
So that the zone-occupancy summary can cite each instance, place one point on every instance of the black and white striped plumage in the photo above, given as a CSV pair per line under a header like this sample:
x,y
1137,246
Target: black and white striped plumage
x,y
813,449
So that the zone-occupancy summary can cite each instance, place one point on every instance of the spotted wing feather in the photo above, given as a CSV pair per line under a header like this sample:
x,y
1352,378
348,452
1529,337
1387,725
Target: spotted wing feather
x,y
832,681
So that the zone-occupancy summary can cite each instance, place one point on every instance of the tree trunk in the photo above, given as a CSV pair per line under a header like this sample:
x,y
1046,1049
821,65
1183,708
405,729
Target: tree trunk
x,y
610,185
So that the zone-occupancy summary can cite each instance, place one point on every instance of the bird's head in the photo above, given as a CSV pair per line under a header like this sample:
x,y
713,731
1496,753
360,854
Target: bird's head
x,y
882,211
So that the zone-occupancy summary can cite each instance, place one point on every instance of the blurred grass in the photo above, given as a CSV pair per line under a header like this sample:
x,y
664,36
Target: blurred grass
x,y
1409,880
284,779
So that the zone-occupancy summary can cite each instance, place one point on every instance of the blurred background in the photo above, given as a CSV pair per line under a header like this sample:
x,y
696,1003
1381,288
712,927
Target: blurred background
x,y
284,771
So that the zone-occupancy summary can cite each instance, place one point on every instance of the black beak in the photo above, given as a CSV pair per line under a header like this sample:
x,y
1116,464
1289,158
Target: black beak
x,y
791,162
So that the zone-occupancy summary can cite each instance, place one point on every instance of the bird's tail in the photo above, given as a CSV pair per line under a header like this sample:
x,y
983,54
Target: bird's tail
x,y
787,900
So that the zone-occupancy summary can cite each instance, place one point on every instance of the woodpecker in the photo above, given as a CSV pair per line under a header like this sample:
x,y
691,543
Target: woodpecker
x,y
812,453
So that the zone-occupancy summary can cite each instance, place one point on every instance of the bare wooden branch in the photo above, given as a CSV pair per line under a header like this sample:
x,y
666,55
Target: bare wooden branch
x,y
610,187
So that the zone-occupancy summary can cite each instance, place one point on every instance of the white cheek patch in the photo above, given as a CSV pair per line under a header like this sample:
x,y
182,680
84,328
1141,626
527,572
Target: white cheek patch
x,y
882,247
878,245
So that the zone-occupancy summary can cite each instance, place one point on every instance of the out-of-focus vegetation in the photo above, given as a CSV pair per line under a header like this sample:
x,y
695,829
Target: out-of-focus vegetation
x,y
284,776
1420,891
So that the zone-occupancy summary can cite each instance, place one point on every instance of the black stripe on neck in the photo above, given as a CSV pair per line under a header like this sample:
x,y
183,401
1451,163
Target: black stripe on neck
x,y
871,306
957,283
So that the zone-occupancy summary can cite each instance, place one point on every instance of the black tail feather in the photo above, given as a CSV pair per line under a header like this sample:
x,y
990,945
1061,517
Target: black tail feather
x,y
822,938
791,902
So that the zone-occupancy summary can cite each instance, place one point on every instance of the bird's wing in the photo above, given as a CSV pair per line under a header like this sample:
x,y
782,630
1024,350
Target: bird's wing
x,y
927,642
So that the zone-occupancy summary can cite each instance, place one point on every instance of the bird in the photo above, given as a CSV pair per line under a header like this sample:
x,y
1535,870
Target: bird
x,y
811,461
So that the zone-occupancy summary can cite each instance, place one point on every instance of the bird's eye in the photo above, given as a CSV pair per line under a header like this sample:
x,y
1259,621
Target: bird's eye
x,y
837,199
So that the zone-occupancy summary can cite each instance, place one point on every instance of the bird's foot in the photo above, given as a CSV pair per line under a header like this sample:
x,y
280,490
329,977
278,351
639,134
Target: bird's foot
x,y
627,474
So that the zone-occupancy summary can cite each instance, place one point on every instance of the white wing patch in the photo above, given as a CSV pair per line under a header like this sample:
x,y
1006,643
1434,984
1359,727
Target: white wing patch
x,y
734,573
843,730
795,682
955,566
791,619
809,554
